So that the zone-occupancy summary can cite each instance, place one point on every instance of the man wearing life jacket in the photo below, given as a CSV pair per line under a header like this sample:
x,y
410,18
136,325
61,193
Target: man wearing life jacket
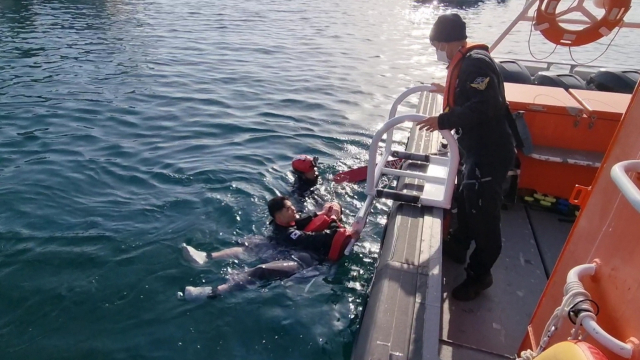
x,y
322,234
475,107
310,239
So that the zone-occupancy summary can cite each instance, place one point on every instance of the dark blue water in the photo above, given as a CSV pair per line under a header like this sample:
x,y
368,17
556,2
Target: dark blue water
x,y
130,127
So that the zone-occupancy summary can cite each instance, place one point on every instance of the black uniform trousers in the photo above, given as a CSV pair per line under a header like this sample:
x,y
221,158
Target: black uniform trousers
x,y
479,202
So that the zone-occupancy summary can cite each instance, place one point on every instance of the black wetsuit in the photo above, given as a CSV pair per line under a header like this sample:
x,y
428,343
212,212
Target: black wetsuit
x,y
294,236
479,117
305,191
303,187
301,250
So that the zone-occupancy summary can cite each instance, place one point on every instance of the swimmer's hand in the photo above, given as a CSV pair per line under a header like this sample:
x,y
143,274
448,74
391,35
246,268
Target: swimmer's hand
x,y
438,88
326,211
332,209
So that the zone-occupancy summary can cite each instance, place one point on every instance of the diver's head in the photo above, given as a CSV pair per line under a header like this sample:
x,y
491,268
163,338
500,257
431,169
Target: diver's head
x,y
304,166
448,35
281,210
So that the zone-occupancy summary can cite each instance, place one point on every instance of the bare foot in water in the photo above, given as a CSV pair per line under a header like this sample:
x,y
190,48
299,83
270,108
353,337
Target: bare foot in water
x,y
197,293
193,256
192,293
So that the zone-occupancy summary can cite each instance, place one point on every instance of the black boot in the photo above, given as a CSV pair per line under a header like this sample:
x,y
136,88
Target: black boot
x,y
452,249
472,286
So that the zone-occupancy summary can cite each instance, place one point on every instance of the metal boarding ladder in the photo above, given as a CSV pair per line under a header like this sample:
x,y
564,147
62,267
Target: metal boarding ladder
x,y
439,178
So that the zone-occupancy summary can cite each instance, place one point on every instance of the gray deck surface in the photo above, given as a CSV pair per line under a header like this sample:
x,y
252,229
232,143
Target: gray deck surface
x,y
550,234
497,320
409,314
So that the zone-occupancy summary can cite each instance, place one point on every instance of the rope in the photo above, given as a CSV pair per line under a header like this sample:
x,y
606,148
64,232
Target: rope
x,y
556,47
533,17
598,57
529,41
527,355
576,305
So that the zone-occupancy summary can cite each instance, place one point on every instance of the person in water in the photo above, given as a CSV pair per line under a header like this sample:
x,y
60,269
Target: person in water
x,y
475,106
304,168
303,247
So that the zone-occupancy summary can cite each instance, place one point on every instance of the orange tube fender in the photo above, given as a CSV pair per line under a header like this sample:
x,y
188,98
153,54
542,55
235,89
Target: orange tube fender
x,y
546,21
572,350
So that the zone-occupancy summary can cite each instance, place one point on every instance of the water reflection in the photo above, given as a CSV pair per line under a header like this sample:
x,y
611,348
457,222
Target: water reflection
x,y
458,4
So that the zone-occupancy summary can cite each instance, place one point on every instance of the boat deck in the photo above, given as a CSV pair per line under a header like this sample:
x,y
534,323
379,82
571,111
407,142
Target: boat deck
x,y
409,314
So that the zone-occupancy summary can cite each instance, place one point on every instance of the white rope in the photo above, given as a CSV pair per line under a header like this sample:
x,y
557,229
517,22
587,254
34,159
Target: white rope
x,y
574,293
527,355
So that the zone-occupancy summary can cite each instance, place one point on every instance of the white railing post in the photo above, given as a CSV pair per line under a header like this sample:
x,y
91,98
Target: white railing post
x,y
524,16
374,168
574,287
520,17
627,187
394,109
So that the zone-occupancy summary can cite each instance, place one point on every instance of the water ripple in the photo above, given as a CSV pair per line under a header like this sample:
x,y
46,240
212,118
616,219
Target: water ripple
x,y
130,127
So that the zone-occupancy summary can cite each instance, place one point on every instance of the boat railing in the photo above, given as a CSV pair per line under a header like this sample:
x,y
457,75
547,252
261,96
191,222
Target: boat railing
x,y
439,179
524,16
394,108
627,187
579,309
577,302
546,65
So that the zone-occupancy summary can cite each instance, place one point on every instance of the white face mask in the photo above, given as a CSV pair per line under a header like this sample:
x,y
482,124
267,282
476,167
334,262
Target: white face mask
x,y
441,55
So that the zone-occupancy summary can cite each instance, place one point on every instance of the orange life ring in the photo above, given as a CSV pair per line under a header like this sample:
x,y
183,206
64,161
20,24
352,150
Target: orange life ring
x,y
546,22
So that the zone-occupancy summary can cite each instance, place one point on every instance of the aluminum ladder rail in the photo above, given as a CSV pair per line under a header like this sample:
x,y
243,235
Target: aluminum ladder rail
x,y
439,178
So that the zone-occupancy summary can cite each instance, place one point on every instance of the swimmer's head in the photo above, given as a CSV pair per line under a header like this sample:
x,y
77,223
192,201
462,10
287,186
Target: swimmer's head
x,y
281,210
305,167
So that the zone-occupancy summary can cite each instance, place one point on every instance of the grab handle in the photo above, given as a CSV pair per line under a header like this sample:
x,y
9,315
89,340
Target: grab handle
x,y
394,108
625,184
589,322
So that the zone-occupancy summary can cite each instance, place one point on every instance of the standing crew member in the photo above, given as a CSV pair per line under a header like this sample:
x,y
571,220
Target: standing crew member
x,y
475,106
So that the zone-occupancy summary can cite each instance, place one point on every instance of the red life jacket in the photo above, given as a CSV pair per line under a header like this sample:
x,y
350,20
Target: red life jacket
x,y
453,71
319,223
340,241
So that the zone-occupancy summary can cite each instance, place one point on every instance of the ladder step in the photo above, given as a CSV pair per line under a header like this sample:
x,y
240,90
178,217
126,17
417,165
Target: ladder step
x,y
397,196
410,156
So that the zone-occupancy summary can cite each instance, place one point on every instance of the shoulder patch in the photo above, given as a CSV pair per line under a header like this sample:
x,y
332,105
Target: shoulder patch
x,y
294,235
480,83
